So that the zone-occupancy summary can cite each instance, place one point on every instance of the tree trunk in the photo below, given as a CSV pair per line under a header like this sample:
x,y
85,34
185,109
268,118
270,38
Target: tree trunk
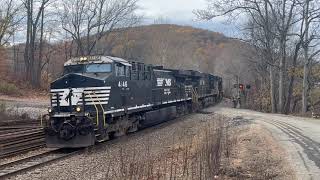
x,y
32,58
272,90
289,97
39,64
282,78
292,78
32,67
306,67
283,45
27,48
305,87
294,106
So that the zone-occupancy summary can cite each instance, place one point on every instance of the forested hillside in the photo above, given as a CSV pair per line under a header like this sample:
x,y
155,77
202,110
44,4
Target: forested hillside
x,y
172,46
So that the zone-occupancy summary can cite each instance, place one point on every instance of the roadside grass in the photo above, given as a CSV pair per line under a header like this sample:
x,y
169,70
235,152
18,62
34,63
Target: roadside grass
x,y
256,155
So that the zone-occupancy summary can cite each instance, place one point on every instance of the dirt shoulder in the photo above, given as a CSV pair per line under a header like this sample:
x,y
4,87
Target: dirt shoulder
x,y
31,101
256,155
32,106
300,137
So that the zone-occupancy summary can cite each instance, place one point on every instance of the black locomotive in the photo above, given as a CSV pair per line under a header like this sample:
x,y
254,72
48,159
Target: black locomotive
x,y
101,96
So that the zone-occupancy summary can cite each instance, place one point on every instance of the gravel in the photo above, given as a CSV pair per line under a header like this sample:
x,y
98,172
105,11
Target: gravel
x,y
32,112
33,108
24,155
108,158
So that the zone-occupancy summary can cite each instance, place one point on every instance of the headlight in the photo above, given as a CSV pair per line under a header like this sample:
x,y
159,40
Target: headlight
x,y
78,109
50,110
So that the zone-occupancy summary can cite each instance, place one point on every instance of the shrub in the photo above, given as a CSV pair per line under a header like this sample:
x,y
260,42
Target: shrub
x,y
9,89
3,108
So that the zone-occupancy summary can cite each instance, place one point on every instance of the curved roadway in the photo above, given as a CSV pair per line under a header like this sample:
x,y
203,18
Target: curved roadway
x,y
299,136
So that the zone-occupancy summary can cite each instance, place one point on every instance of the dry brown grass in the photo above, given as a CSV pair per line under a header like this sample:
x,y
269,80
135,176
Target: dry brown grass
x,y
256,155
190,156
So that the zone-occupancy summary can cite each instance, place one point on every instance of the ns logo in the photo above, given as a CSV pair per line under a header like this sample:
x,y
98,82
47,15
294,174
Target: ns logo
x,y
164,82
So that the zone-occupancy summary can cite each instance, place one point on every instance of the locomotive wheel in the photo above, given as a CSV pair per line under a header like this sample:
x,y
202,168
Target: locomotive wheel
x,y
134,127
121,132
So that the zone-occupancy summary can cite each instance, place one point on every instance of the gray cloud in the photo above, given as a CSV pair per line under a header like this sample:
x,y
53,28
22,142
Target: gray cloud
x,y
179,9
181,12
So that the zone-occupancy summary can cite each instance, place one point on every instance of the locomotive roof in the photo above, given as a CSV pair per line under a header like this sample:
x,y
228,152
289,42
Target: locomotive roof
x,y
95,60
111,59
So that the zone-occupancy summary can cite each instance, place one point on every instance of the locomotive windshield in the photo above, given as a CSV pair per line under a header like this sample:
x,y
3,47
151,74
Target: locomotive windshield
x,y
73,69
90,68
98,68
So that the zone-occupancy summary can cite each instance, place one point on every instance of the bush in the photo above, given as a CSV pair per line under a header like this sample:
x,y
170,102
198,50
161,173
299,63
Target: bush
x,y
3,108
9,89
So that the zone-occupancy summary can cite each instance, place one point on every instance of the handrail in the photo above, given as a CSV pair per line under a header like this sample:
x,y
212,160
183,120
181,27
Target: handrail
x,y
104,116
95,108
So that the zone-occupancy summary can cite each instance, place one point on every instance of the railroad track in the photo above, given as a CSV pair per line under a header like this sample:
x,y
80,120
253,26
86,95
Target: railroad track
x,y
22,123
15,141
26,164
43,159
9,130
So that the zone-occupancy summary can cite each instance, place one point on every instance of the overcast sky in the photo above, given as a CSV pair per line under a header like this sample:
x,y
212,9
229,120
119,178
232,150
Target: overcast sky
x,y
180,12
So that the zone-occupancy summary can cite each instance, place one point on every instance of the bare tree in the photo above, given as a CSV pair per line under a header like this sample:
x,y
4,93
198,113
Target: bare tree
x,y
260,29
310,24
35,18
273,29
87,21
9,19
261,35
286,16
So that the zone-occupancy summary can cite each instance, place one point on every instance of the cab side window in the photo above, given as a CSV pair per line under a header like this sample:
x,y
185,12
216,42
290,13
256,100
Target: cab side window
x,y
134,71
128,71
120,70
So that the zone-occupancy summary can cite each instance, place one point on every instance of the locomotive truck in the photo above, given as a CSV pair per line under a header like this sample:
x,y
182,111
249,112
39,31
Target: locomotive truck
x,y
100,97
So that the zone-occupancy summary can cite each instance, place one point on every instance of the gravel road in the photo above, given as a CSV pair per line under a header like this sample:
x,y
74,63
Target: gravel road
x,y
299,136
31,106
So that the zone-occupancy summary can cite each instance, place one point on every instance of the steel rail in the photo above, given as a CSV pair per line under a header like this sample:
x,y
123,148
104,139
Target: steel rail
x,y
26,164
21,141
